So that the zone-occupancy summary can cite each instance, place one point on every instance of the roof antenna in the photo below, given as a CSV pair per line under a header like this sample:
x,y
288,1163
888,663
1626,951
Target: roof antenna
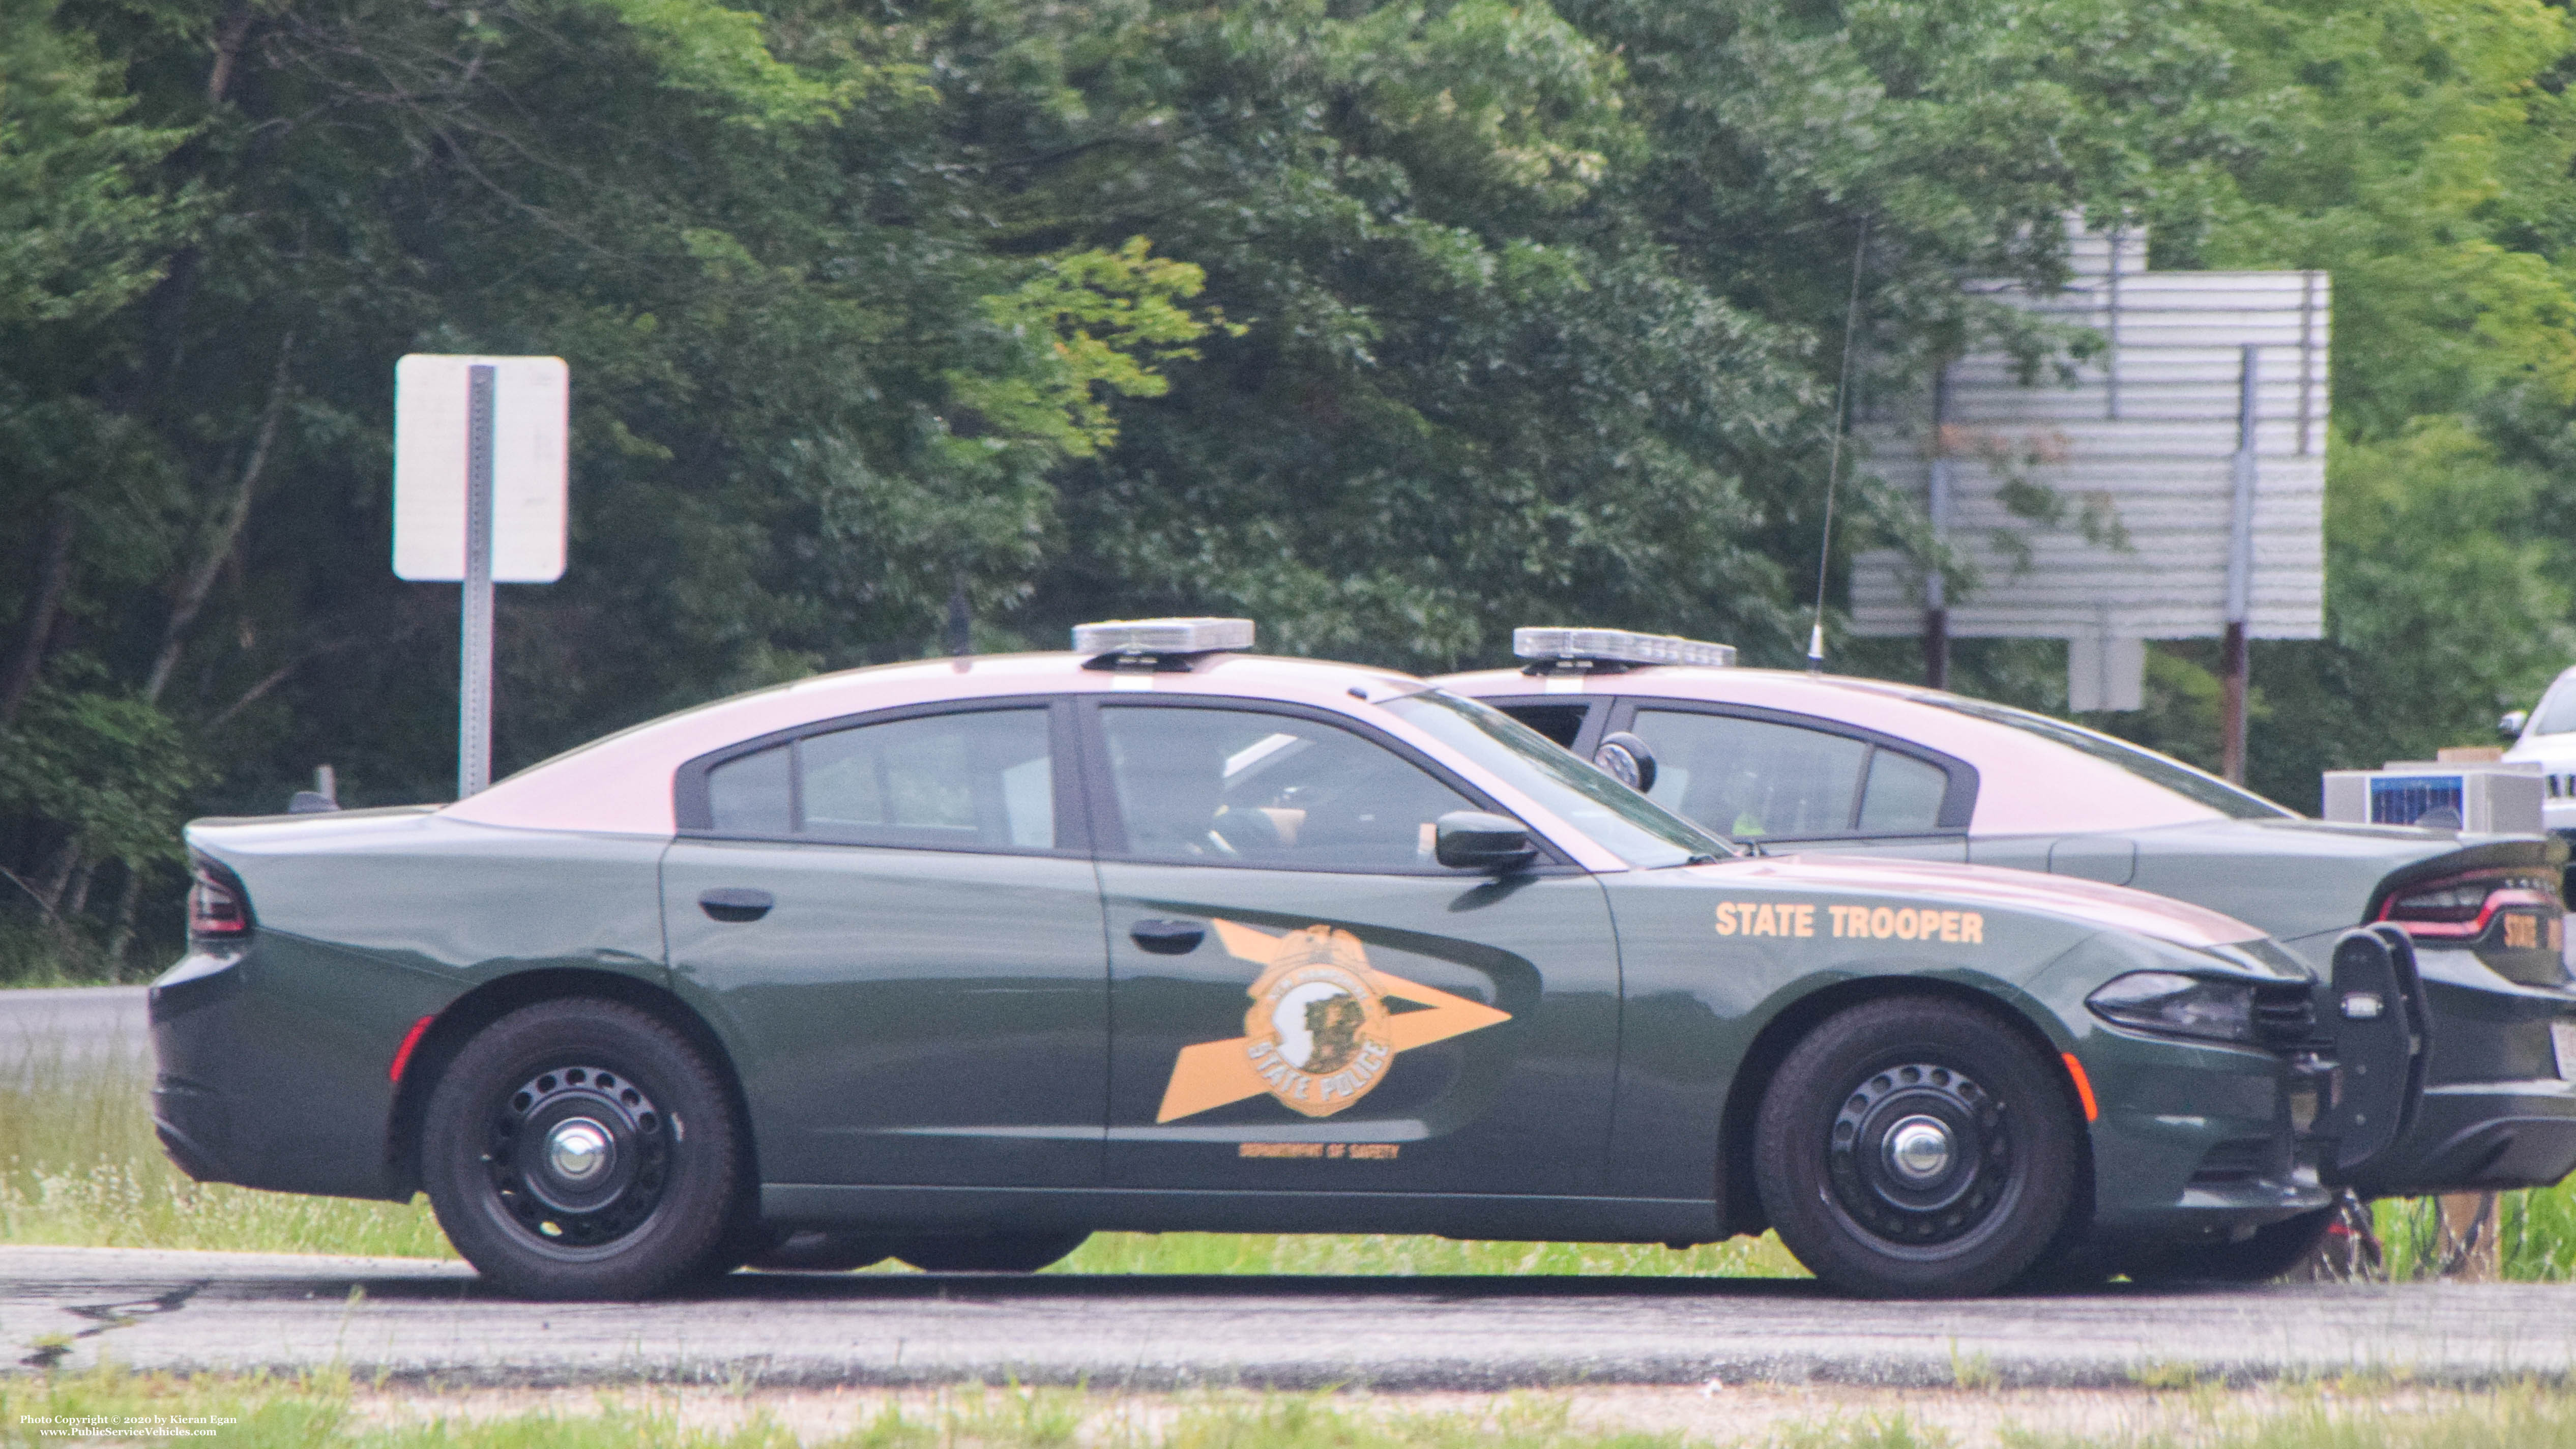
x,y
1834,467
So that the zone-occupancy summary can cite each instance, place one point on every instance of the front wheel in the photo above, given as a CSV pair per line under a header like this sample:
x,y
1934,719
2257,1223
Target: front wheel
x,y
1911,1148
581,1148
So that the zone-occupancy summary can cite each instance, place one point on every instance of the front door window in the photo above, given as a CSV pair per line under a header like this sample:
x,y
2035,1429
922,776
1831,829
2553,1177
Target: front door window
x,y
1221,786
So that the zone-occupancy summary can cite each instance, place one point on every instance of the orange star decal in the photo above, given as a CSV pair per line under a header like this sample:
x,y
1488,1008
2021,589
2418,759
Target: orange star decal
x,y
1318,1035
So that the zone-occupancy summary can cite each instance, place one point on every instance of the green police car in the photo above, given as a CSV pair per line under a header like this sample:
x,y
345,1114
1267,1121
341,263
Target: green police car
x,y
958,961
1786,761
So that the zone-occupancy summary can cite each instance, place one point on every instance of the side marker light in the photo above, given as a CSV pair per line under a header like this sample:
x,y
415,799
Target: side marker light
x,y
2083,1087
411,1039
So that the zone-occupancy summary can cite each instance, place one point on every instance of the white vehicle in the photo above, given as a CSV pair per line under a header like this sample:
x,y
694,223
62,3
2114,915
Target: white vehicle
x,y
2547,737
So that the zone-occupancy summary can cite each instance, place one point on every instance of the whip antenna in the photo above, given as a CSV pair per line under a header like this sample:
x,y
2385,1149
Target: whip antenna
x,y
1834,456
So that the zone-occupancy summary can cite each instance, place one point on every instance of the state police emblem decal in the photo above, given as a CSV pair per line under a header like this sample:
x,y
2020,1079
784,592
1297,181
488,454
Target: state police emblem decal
x,y
1319,1034
1317,1028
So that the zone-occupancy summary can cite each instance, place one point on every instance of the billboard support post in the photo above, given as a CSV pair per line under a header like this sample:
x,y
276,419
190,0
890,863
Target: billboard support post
x,y
474,684
2240,578
1936,603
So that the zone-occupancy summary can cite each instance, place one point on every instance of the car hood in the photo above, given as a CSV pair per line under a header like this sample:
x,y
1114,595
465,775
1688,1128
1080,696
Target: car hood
x,y
2106,906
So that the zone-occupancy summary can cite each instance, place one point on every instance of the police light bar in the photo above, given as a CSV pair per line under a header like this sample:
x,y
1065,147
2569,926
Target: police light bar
x,y
1162,636
1617,646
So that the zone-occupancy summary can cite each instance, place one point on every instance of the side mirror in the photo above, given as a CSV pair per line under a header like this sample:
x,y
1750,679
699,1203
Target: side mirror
x,y
2510,727
1474,840
1629,760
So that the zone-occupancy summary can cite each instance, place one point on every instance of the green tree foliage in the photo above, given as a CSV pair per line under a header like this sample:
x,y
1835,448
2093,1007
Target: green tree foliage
x,y
1391,323
2421,152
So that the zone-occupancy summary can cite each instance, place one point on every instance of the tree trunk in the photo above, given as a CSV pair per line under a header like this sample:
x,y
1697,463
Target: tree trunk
x,y
53,580
222,538
76,896
59,877
122,936
2470,1249
229,36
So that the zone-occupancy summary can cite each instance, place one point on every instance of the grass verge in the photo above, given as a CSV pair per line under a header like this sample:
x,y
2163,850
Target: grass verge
x,y
79,1166
107,1406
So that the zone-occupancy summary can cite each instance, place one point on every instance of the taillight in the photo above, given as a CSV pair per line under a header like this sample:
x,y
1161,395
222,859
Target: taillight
x,y
218,907
2463,907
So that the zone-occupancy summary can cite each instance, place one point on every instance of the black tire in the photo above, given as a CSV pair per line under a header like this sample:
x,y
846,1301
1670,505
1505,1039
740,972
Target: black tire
x,y
1985,1191
994,1253
514,1113
2275,1249
812,1250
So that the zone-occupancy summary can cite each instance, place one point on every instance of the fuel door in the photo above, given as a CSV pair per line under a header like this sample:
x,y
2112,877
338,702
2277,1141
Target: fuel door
x,y
2110,859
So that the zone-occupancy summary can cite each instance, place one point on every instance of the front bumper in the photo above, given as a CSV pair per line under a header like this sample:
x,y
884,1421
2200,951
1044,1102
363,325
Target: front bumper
x,y
2199,1141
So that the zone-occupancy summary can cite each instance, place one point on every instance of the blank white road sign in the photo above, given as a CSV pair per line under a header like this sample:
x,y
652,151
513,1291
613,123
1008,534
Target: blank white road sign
x,y
531,401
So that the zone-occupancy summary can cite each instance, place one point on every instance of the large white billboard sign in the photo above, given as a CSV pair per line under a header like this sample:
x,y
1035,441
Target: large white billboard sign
x,y
2137,459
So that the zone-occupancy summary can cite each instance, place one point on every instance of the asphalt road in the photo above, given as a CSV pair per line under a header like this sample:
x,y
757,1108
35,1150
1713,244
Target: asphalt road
x,y
75,1025
417,1321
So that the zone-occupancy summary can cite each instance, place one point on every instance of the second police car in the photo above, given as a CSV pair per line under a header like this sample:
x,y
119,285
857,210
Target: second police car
x,y
961,960
1790,762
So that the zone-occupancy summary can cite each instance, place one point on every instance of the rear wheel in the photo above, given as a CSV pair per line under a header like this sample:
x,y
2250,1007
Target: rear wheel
x,y
582,1149
996,1253
1912,1148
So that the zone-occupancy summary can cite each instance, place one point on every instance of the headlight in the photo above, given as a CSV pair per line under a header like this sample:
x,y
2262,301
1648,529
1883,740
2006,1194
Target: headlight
x,y
2177,1005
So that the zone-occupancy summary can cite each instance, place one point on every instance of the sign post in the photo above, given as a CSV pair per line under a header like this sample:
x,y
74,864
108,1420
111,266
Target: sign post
x,y
2240,575
479,499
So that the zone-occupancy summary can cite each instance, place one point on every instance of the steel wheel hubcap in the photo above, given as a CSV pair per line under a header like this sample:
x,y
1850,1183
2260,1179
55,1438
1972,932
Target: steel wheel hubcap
x,y
1919,1155
1919,1149
579,1150
578,1156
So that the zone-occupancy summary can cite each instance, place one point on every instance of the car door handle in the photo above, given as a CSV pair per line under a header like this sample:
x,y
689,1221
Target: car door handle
x,y
1167,938
736,903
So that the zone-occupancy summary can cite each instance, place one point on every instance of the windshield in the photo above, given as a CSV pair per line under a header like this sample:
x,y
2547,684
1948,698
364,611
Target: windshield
x,y
2557,712
1622,821
2147,765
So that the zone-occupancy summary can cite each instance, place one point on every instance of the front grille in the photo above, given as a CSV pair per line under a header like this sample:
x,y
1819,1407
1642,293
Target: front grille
x,y
2285,1015
2241,1161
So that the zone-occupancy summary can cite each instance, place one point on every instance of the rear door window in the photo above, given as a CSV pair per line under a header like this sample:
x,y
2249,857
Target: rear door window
x,y
970,780
1762,779
1752,779
1903,795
